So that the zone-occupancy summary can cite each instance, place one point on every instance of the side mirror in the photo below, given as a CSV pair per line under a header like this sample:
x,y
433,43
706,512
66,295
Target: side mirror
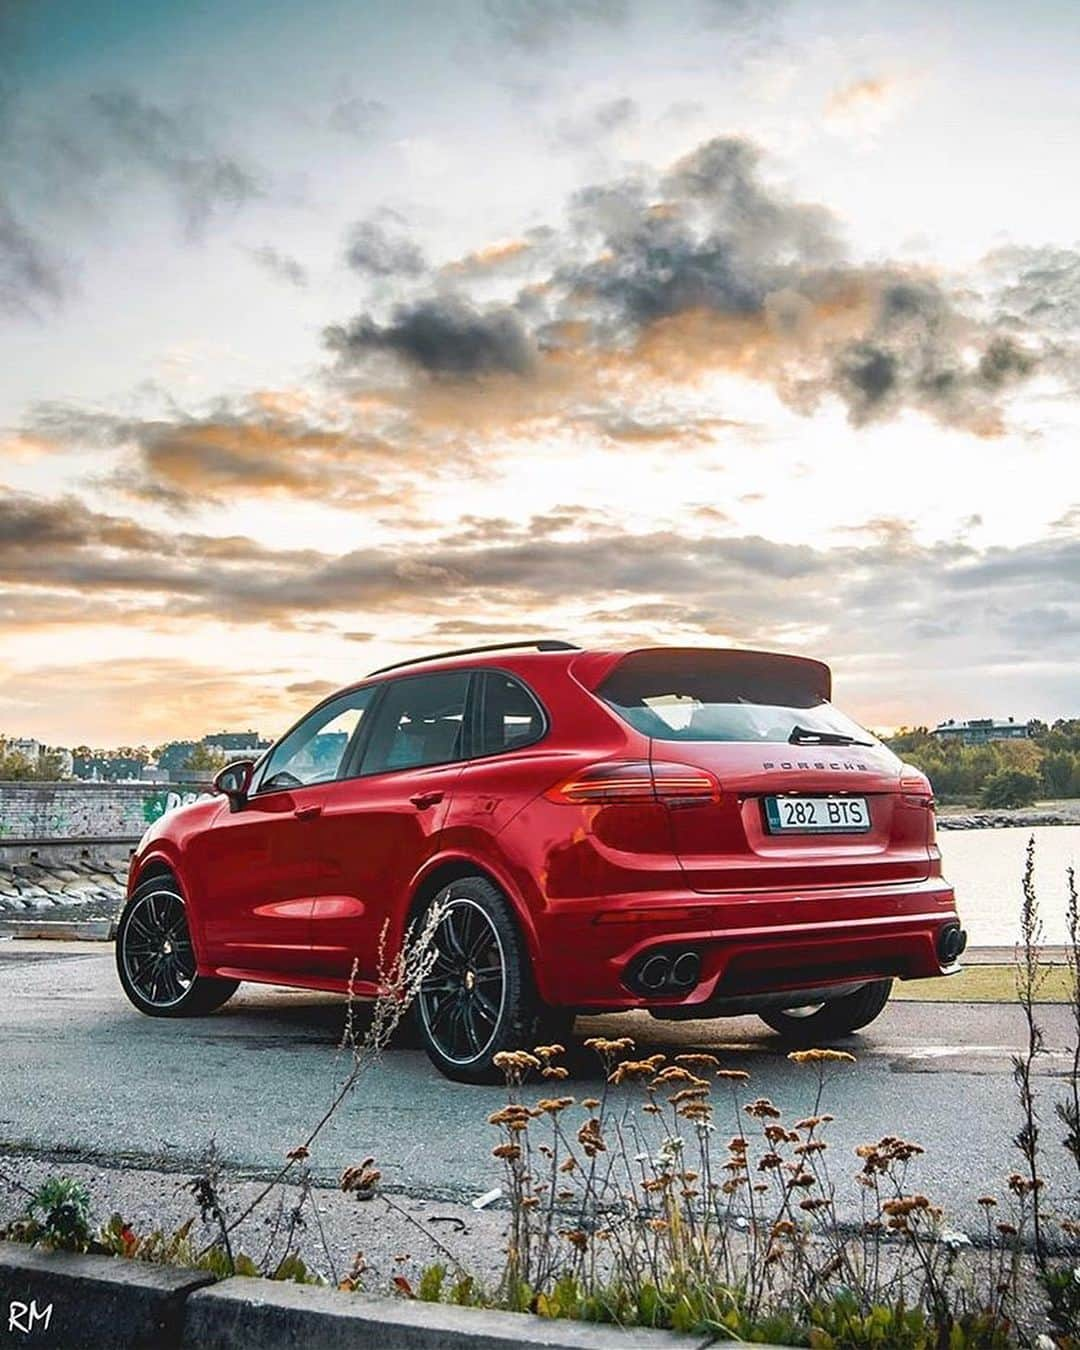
x,y
234,780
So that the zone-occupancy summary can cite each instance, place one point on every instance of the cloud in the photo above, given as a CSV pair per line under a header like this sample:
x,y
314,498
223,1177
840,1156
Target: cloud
x,y
862,107
605,119
551,568
360,118
502,258
539,24
377,251
442,336
28,275
280,265
173,148
313,689
660,279
78,158
260,446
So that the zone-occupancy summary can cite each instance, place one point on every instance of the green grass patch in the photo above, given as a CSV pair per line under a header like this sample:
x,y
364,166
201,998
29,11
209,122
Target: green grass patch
x,y
984,984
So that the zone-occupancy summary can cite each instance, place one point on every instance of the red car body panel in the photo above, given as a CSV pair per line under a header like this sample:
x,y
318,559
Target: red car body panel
x,y
301,886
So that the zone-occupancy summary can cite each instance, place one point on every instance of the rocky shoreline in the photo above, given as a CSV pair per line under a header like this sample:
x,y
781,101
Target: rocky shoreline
x,y
82,889
1000,820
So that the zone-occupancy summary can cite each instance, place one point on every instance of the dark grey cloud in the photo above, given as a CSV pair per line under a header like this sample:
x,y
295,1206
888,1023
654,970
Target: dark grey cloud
x,y
759,281
379,250
539,24
280,265
912,355
444,336
28,274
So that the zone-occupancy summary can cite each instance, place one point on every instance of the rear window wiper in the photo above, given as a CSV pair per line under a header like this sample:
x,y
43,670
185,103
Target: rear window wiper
x,y
804,736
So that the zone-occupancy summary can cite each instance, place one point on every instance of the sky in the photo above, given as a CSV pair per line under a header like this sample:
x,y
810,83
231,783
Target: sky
x,y
332,334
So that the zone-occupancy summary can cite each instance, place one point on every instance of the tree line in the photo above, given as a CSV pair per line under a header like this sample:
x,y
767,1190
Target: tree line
x,y
999,773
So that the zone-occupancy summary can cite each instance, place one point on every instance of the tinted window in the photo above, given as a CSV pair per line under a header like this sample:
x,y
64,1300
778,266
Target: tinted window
x,y
509,715
420,721
727,696
313,751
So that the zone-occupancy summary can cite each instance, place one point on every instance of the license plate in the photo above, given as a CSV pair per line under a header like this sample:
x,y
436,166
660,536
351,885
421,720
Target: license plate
x,y
817,815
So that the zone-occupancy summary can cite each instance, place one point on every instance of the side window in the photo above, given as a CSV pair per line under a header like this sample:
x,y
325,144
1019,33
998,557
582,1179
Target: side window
x,y
313,751
420,721
510,716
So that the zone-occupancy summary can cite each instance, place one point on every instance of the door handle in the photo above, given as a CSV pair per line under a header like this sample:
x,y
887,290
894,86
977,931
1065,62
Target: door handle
x,y
423,800
307,812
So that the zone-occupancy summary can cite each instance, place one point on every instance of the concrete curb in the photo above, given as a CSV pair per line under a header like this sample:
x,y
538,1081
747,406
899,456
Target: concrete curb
x,y
60,930
58,1300
246,1314
111,1303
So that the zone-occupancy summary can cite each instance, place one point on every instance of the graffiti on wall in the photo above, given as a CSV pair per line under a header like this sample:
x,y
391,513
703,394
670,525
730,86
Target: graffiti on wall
x,y
159,804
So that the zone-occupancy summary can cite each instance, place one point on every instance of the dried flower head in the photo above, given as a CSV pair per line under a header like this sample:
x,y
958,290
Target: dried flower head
x,y
553,1105
590,1139
362,1180
698,1060
821,1057
761,1109
635,1069
607,1048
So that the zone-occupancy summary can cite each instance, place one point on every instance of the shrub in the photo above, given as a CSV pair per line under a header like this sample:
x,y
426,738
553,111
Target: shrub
x,y
1010,787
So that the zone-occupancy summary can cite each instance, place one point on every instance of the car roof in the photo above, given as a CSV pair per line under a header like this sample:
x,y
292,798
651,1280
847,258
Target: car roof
x,y
589,666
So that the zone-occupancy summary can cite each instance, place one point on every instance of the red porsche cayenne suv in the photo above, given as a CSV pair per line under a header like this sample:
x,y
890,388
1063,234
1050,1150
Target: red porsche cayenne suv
x,y
695,832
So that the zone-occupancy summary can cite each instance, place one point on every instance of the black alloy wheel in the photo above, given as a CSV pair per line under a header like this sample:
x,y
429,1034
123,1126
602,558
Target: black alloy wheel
x,y
477,998
155,958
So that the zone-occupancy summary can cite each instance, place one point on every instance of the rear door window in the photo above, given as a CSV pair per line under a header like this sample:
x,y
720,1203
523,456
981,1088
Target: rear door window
x,y
729,696
420,720
508,716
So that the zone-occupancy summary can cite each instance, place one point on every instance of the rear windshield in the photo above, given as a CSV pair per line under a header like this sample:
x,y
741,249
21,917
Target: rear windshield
x,y
728,696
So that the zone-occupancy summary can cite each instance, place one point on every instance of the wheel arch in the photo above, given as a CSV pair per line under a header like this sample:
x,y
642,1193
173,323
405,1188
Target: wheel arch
x,y
441,871
162,865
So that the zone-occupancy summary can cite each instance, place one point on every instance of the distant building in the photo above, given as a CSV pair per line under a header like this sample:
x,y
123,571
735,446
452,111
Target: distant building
x,y
236,743
979,730
29,749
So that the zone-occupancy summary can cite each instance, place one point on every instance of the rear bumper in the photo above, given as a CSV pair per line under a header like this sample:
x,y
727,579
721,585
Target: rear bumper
x,y
748,945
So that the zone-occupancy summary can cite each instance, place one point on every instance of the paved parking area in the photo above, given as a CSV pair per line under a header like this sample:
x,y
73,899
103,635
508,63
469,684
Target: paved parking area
x,y
83,1076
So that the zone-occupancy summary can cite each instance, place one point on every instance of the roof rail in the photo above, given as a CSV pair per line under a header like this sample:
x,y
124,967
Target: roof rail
x,y
541,645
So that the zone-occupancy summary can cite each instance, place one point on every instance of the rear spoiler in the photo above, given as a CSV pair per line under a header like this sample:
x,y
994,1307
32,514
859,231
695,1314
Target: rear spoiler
x,y
591,669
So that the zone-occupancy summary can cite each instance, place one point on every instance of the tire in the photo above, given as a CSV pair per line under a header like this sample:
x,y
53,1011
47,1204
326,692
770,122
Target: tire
x,y
838,1017
479,997
155,959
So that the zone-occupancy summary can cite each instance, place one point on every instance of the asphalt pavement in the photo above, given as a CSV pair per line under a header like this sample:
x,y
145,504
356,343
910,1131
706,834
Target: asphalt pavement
x,y
83,1077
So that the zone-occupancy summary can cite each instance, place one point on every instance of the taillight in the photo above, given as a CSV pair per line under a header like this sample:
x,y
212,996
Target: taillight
x,y
915,787
637,781
684,785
